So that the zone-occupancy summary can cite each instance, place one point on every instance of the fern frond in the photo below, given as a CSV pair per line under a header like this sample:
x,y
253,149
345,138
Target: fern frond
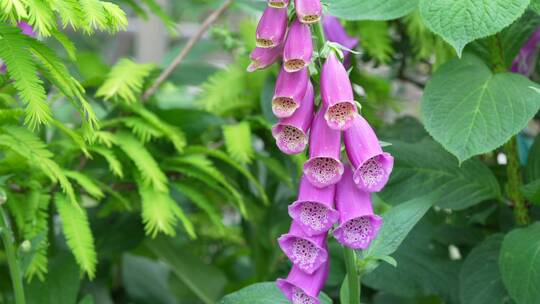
x,y
105,138
22,69
13,10
157,211
142,129
86,183
175,135
75,137
238,141
125,81
188,225
150,172
41,17
70,13
66,43
28,145
157,10
94,14
114,164
375,40
10,115
76,229
117,19
193,193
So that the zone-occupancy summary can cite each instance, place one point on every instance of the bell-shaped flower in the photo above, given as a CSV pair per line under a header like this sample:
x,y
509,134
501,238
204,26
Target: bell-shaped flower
x,y
308,11
298,48
261,58
358,226
291,132
306,252
278,3
524,61
272,27
314,209
289,92
337,94
323,167
372,166
335,32
302,288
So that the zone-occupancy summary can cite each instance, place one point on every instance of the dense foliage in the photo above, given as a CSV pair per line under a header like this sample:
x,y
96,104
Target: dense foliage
x,y
107,196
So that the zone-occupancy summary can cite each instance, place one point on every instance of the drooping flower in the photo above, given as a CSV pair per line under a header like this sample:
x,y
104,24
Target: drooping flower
x,y
337,94
278,3
272,27
358,226
524,61
308,11
314,209
302,288
334,32
289,92
291,132
298,47
323,167
306,252
372,166
261,58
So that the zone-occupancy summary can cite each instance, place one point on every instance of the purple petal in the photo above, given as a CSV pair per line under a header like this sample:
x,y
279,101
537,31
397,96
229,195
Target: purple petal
x,y
302,288
291,132
298,47
372,166
314,209
334,32
261,58
271,28
524,61
278,3
308,11
358,226
26,28
306,252
290,90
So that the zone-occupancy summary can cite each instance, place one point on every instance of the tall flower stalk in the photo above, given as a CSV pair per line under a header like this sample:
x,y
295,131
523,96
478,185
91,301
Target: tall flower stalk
x,y
333,190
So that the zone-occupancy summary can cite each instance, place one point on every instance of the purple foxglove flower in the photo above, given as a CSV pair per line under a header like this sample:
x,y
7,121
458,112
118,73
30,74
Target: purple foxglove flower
x,y
372,166
334,32
271,28
290,90
314,209
337,94
261,58
358,226
26,29
306,252
524,61
308,11
323,167
298,47
302,288
278,3
291,132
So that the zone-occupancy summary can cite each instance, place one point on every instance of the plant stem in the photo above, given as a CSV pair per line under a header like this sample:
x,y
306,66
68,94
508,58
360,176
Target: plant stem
x,y
183,53
352,276
521,213
13,263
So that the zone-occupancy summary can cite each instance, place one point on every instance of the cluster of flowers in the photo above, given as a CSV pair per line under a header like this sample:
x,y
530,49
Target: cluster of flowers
x,y
27,30
330,191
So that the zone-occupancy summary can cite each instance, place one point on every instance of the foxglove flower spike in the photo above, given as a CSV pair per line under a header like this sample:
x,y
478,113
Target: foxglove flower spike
x,y
289,92
305,252
298,48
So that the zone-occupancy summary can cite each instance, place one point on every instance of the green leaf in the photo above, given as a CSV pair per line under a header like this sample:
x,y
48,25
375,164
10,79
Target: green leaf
x,y
206,281
157,211
462,21
125,81
238,141
371,9
519,262
423,168
471,111
86,183
535,6
376,40
202,201
76,229
114,164
532,191
262,293
480,280
532,169
397,223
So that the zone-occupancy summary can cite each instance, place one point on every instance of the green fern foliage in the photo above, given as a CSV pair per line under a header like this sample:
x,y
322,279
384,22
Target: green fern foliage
x,y
86,183
192,191
125,81
29,146
76,229
238,141
12,10
375,40
22,69
114,164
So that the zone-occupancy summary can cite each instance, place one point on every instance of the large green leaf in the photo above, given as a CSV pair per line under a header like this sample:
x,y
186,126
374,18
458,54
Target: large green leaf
x,y
471,111
262,293
371,9
423,168
480,280
462,21
397,223
519,263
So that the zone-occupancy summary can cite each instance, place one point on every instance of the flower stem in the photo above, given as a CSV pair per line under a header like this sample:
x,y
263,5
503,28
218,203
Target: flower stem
x,y
353,278
13,263
521,213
